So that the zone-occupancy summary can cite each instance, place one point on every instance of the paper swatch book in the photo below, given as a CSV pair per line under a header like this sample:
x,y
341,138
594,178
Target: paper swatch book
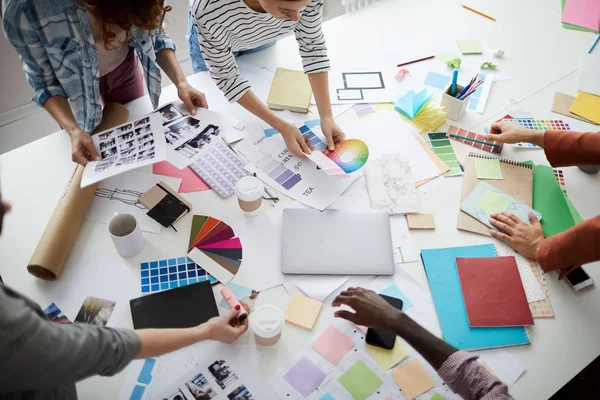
x,y
517,183
493,292
391,186
440,267
290,91
486,200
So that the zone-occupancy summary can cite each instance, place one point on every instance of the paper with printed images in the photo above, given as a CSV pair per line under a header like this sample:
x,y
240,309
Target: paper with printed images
x,y
391,186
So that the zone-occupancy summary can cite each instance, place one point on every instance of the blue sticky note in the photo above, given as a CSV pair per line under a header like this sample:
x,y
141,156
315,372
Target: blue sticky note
x,y
146,372
436,80
138,393
239,292
395,292
271,132
327,396
411,103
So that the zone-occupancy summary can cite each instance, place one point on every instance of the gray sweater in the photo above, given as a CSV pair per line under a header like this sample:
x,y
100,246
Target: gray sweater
x,y
41,359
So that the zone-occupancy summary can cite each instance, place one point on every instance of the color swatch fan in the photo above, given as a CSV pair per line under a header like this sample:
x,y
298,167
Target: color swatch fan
x,y
351,155
215,248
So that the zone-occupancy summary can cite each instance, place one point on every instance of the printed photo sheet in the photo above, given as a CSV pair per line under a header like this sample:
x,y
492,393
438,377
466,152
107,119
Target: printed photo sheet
x,y
132,145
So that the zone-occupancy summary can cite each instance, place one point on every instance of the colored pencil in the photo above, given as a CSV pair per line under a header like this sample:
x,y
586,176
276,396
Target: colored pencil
x,y
479,12
594,45
473,140
414,61
464,96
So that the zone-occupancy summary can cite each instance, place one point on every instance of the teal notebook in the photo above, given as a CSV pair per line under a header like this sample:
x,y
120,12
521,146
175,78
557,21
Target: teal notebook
x,y
440,266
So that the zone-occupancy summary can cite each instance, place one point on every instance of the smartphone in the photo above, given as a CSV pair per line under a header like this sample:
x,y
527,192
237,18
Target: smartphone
x,y
382,337
579,279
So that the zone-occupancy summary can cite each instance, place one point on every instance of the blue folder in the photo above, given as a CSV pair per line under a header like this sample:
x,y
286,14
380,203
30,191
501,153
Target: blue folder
x,y
440,266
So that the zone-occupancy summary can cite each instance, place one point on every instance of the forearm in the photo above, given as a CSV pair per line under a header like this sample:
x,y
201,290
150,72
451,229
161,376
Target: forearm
x,y
60,109
167,61
156,342
574,148
319,82
253,104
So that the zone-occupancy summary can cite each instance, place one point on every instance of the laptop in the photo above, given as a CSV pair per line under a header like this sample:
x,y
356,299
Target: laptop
x,y
337,242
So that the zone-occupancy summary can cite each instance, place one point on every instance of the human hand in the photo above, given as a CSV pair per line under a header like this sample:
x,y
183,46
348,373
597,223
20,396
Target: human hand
x,y
524,238
227,328
294,141
333,133
82,147
191,97
370,309
511,132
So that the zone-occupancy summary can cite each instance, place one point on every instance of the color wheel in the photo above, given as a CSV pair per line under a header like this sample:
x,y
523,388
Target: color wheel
x,y
214,247
350,155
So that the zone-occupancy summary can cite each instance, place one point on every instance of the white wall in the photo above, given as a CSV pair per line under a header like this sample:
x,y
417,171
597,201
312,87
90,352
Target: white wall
x,y
15,89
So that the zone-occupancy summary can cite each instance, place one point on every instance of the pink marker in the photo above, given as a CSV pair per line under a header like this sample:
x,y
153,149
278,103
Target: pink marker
x,y
233,302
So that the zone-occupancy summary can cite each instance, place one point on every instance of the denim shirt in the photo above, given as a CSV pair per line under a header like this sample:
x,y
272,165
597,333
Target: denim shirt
x,y
58,50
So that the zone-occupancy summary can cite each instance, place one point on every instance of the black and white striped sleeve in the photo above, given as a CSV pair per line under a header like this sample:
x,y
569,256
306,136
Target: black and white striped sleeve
x,y
311,40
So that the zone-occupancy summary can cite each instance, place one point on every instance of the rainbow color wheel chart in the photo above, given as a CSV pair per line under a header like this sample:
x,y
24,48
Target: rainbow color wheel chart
x,y
350,155
214,246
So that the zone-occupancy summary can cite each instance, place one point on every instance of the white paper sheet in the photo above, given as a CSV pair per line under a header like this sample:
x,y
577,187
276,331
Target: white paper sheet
x,y
318,287
132,145
431,185
404,248
588,74
360,84
121,193
508,368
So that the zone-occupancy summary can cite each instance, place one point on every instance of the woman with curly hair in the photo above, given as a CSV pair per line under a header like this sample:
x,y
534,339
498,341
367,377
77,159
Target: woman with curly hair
x,y
81,54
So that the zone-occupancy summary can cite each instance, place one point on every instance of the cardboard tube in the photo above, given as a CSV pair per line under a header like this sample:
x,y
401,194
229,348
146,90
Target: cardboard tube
x,y
59,236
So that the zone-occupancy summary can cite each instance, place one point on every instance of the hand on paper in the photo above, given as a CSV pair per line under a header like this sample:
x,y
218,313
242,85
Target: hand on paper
x,y
191,97
333,133
227,328
511,132
294,140
82,147
526,239
370,309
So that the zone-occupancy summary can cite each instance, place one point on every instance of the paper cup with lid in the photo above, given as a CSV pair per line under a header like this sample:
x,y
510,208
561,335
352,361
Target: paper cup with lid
x,y
249,191
267,323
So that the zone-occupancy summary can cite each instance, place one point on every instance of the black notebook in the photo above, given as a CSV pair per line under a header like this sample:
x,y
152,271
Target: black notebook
x,y
183,307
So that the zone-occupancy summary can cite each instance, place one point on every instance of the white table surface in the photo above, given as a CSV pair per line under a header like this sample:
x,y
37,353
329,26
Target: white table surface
x,y
542,58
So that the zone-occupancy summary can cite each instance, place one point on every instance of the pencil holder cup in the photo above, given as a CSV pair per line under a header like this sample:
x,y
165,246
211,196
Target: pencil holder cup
x,y
454,108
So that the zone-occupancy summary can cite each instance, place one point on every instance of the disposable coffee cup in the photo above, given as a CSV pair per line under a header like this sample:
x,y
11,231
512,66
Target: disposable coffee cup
x,y
125,232
267,323
249,191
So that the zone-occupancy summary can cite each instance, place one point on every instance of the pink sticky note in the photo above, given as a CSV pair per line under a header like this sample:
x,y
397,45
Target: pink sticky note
x,y
333,344
584,13
190,181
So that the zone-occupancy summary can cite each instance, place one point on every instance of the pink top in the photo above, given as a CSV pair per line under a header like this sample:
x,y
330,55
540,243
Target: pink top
x,y
465,376
108,59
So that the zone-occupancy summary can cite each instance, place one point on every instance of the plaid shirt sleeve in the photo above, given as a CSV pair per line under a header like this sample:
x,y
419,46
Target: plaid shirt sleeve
x,y
162,41
465,376
23,35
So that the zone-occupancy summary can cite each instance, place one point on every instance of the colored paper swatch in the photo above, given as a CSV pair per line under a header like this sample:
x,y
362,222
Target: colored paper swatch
x,y
441,146
305,376
540,125
302,311
437,81
307,132
278,172
386,359
437,396
360,381
328,166
488,168
560,177
240,292
587,106
454,130
420,221
493,292
362,109
469,46
190,182
395,292
350,154
327,396
171,273
542,308
575,27
412,379
583,13
333,344
549,200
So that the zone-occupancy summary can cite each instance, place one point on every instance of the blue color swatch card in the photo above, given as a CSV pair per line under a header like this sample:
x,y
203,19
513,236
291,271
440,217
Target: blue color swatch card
x,y
171,273
395,292
437,81
486,199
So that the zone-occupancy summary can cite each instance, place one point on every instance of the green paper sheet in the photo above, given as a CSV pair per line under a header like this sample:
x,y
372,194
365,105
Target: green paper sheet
x,y
437,396
571,26
488,168
360,381
549,200
491,202
469,46
574,213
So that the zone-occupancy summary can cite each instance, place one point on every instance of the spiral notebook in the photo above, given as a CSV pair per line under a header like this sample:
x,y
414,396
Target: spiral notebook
x,y
444,282
517,182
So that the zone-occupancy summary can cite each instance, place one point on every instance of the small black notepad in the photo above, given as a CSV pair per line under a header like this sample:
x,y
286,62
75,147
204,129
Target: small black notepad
x,y
183,307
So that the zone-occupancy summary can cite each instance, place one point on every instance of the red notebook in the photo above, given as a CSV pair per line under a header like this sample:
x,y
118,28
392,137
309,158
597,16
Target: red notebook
x,y
493,292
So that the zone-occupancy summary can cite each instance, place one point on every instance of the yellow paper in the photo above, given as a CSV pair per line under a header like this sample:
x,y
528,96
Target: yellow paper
x,y
386,359
302,311
412,379
587,106
491,202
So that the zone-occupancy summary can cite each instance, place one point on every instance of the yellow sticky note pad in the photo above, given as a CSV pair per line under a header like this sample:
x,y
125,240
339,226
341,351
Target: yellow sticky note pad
x,y
302,311
412,379
488,168
491,202
587,106
386,359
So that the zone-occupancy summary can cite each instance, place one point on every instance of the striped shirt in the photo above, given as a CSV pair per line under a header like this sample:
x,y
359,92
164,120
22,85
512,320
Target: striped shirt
x,y
226,26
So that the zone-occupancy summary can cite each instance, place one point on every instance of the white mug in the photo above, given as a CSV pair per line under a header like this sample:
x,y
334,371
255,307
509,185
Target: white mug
x,y
126,234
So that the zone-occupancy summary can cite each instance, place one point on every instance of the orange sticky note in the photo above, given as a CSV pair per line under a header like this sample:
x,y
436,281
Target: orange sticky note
x,y
420,221
302,311
412,379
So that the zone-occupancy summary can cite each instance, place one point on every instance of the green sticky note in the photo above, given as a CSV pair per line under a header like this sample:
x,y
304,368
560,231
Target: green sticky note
x,y
360,381
437,396
469,46
549,200
491,202
488,168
